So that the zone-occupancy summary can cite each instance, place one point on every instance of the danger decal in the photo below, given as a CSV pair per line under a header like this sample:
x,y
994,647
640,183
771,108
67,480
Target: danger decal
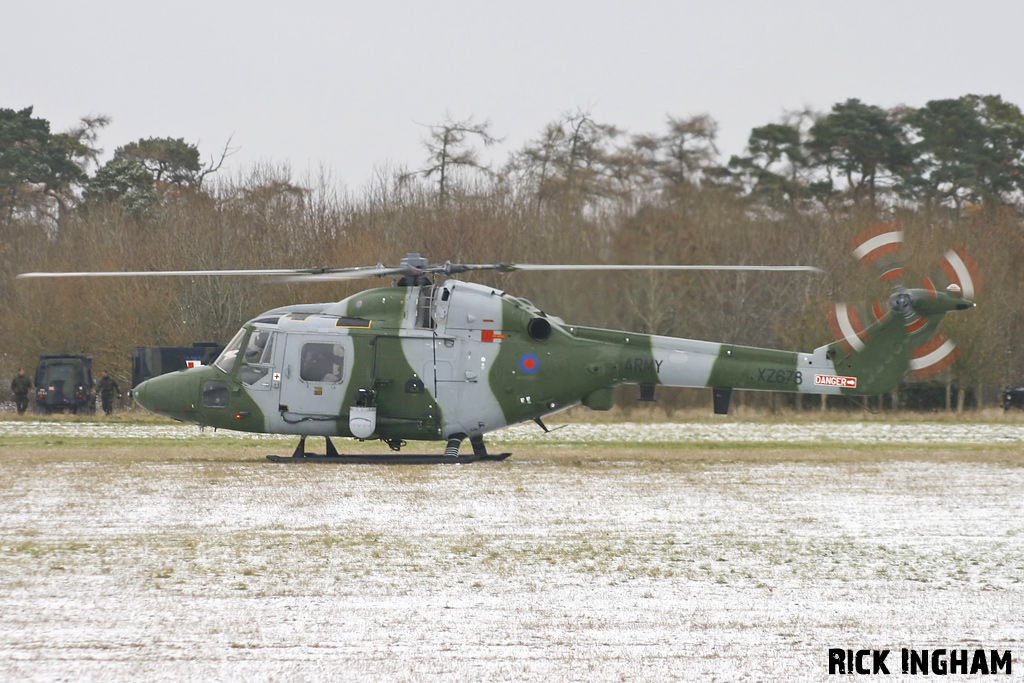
x,y
835,381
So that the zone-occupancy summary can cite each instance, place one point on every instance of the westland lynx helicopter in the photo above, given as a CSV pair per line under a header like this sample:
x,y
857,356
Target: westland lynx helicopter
x,y
454,361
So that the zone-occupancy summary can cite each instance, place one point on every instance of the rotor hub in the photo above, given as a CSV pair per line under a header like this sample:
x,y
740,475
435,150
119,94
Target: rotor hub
x,y
416,261
902,302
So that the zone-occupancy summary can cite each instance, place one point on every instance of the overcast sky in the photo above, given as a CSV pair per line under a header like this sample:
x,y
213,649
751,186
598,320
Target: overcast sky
x,y
350,86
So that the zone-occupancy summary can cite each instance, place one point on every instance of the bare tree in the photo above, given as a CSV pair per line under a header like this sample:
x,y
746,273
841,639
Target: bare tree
x,y
689,147
573,161
449,149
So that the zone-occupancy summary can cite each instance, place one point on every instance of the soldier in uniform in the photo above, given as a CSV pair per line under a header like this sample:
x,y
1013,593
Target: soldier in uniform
x,y
20,387
107,388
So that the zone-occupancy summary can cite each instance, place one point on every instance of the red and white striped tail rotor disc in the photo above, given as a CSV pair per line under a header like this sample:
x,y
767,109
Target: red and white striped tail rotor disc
x,y
934,357
961,270
881,247
845,324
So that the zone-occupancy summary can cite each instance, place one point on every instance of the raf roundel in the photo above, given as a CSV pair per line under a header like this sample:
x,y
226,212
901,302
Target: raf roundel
x,y
529,363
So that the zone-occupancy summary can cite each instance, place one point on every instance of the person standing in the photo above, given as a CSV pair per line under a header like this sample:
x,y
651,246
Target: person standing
x,y
20,387
107,388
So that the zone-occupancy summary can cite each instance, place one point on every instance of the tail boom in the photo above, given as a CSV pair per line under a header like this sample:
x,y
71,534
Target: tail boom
x,y
887,349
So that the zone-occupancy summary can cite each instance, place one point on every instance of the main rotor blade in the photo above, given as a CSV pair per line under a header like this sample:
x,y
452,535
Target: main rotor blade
x,y
513,267
285,274
157,273
330,274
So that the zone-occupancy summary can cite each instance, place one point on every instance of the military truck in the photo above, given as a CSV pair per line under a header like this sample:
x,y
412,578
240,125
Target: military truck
x,y
150,361
64,383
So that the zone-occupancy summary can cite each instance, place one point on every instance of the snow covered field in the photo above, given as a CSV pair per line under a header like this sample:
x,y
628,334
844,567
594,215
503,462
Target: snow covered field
x,y
875,432
561,564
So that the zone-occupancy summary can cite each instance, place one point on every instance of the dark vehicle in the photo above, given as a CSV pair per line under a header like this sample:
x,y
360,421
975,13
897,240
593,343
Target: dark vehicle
x,y
64,382
1013,398
150,361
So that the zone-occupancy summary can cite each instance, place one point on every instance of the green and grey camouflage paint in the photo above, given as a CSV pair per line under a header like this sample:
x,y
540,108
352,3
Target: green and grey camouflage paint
x,y
462,359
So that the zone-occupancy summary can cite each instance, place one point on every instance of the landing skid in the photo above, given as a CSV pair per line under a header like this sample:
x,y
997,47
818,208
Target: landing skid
x,y
449,457
388,459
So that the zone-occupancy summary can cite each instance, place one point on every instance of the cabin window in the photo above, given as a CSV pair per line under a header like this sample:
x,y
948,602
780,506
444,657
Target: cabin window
x,y
215,394
322,362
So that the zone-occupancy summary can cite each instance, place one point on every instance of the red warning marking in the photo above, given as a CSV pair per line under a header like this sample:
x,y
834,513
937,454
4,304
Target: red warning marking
x,y
835,381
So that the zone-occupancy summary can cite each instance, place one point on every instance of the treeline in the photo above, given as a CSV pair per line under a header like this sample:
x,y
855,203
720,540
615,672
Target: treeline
x,y
582,191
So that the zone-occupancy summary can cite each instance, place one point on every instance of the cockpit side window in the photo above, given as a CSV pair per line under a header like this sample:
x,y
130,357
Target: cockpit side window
x,y
226,360
260,348
322,362
258,357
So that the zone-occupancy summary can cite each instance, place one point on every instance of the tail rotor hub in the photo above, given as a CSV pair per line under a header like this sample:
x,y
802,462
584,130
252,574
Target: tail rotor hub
x,y
902,303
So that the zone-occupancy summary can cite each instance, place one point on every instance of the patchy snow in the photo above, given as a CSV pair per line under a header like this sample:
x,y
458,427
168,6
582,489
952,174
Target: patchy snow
x,y
117,430
212,567
619,432
773,433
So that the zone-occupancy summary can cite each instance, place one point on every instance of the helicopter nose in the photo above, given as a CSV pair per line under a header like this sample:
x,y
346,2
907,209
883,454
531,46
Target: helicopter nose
x,y
139,394
165,394
142,394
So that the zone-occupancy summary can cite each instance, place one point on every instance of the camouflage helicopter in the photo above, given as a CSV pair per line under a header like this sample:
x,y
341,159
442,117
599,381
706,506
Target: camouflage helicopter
x,y
456,360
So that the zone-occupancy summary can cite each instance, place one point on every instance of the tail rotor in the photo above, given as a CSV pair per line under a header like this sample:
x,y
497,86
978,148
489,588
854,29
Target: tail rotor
x,y
919,310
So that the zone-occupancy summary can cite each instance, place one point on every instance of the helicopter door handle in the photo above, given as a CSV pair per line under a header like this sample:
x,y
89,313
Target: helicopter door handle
x,y
288,372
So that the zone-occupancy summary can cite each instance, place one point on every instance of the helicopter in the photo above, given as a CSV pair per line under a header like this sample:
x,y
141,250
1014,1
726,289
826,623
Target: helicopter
x,y
455,360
